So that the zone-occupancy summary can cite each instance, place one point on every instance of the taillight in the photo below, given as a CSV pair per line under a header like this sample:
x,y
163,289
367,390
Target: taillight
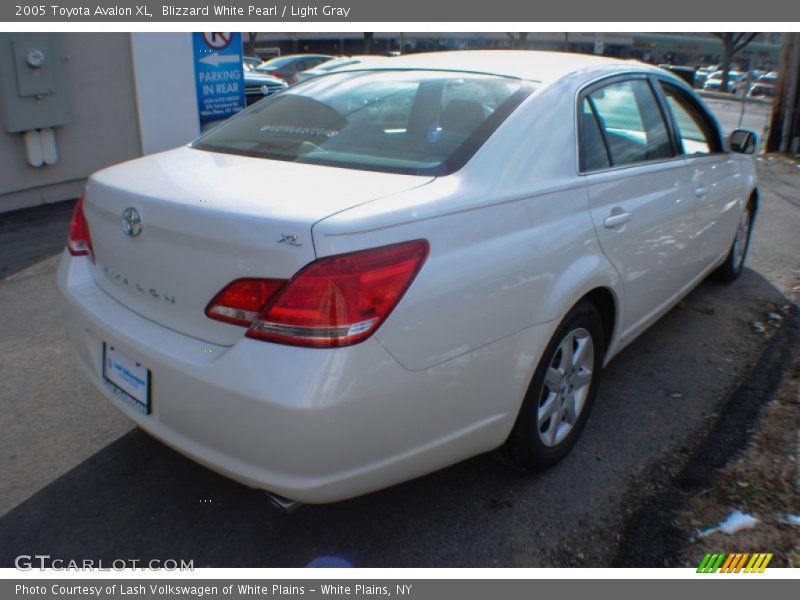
x,y
79,242
340,300
334,301
276,74
241,301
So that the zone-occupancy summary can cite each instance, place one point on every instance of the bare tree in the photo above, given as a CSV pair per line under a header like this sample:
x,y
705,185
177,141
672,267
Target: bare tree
x,y
732,43
250,43
784,125
519,41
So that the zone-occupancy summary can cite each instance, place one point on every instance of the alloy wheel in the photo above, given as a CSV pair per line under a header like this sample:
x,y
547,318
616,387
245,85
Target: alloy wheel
x,y
566,387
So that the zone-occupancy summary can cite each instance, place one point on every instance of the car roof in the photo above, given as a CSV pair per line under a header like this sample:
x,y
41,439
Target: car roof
x,y
346,61
522,64
287,58
731,72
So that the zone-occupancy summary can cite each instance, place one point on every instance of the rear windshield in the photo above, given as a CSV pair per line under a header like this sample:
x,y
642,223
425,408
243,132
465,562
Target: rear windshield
x,y
419,122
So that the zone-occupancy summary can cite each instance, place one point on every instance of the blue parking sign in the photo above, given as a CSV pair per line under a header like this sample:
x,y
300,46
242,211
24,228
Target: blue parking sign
x,y
219,74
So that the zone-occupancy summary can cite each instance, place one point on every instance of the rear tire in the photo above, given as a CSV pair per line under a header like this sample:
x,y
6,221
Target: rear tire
x,y
561,393
734,262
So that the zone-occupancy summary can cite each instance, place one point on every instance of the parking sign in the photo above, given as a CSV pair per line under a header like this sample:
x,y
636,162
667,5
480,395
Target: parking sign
x,y
219,74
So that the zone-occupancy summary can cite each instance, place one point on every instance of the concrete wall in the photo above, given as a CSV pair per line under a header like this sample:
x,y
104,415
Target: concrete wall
x,y
163,68
104,129
130,94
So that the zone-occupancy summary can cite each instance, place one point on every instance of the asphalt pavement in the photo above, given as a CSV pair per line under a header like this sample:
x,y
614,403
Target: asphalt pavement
x,y
80,482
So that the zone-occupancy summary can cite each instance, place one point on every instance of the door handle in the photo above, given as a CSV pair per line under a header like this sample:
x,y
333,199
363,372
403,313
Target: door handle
x,y
699,183
617,218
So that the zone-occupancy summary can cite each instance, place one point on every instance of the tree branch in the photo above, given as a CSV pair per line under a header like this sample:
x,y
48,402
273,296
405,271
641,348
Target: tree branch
x,y
739,44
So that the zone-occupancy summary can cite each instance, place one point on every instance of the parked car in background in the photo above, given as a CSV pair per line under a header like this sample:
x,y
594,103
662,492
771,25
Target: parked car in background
x,y
684,72
250,62
335,64
259,85
387,270
702,74
736,82
765,85
286,67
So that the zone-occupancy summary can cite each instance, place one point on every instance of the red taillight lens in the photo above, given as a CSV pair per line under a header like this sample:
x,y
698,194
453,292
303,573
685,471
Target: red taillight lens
x,y
340,300
241,301
79,242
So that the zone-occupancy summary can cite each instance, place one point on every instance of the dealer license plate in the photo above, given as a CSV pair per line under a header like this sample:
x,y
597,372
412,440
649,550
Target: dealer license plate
x,y
127,378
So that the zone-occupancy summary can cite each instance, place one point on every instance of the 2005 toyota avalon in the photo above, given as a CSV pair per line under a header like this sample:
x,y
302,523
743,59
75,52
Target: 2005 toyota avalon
x,y
386,270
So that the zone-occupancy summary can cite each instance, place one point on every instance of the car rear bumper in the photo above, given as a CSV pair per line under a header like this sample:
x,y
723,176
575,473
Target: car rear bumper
x,y
311,425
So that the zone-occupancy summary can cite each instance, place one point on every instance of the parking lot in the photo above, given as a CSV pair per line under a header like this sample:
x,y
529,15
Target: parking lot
x,y
732,114
80,482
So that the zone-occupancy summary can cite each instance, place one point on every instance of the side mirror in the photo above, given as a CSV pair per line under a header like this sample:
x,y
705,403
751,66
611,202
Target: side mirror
x,y
743,141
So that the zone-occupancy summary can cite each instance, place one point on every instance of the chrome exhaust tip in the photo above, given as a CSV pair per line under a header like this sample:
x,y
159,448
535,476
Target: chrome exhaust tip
x,y
283,504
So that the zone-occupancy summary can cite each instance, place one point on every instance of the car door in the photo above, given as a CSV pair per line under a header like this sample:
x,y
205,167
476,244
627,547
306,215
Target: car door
x,y
641,203
715,178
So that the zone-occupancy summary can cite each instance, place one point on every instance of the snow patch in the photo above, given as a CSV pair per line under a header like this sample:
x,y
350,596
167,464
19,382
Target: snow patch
x,y
736,521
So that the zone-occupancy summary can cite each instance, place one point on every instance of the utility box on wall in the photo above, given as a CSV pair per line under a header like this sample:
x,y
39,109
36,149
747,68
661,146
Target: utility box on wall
x,y
33,82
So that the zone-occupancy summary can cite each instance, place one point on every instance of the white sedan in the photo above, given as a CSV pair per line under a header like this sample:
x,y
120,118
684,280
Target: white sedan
x,y
389,269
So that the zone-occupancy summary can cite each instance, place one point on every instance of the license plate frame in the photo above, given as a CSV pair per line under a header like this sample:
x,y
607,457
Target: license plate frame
x,y
127,378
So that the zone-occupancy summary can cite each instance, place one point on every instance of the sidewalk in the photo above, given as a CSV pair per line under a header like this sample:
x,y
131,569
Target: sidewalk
x,y
51,420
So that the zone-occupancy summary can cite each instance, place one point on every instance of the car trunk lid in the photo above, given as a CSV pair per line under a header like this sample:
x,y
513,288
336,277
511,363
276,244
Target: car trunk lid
x,y
208,219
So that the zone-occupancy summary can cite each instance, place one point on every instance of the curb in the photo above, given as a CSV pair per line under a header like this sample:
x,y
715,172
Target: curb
x,y
650,537
732,97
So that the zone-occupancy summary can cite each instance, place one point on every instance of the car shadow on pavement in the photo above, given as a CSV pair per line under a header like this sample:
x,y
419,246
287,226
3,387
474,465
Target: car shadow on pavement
x,y
29,235
137,499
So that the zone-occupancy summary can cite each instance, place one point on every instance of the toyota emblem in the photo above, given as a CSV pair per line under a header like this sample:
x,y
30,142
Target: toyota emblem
x,y
131,222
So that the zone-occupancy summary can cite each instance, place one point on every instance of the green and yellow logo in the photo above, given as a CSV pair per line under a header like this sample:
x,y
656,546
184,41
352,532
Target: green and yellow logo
x,y
744,562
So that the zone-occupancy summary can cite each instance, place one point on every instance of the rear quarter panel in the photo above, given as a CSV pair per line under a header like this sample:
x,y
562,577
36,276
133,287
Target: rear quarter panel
x,y
512,243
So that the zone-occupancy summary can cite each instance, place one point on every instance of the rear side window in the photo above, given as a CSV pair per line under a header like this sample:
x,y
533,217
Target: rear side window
x,y
275,63
630,121
313,62
697,134
594,154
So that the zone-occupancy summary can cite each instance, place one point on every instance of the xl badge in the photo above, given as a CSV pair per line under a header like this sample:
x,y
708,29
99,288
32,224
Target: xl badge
x,y
289,239
131,222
